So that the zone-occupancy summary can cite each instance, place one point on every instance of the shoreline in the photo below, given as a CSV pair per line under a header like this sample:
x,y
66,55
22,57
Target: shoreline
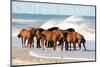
x,y
20,56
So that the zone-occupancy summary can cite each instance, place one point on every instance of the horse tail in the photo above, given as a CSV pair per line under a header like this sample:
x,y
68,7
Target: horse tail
x,y
83,39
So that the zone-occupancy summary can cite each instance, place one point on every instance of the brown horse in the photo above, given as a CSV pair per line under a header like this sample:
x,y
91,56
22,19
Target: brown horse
x,y
50,29
80,39
58,36
68,30
74,37
27,34
52,37
53,28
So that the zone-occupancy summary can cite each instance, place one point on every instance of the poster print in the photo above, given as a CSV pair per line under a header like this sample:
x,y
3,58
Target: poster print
x,y
48,33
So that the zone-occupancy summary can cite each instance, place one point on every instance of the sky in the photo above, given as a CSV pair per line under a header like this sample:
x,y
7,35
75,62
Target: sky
x,y
54,9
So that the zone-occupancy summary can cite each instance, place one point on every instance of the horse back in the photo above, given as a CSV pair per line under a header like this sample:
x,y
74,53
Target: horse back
x,y
58,35
69,36
53,28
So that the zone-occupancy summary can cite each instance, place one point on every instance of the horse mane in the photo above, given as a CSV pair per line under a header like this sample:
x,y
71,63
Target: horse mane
x,y
70,30
40,29
53,28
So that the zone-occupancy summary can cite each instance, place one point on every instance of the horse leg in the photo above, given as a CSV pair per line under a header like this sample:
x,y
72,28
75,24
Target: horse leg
x,y
70,46
66,46
79,45
62,44
39,43
54,46
22,43
32,41
74,46
50,45
46,43
42,43
25,42
28,43
84,46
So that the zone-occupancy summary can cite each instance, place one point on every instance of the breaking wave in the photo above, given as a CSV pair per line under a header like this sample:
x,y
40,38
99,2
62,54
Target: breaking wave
x,y
78,23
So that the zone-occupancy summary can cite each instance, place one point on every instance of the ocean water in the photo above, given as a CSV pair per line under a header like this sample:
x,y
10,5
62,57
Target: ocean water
x,y
88,55
16,43
85,24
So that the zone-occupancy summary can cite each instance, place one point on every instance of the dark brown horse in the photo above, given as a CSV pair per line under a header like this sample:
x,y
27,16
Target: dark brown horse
x,y
27,34
74,37
38,35
52,37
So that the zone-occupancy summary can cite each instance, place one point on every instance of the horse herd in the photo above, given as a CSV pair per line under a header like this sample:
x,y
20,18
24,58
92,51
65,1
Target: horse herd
x,y
50,37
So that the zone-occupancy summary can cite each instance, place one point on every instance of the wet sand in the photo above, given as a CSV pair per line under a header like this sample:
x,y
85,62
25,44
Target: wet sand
x,y
20,56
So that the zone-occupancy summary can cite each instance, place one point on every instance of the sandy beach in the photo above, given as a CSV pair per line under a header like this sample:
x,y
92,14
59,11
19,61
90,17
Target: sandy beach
x,y
20,56
27,56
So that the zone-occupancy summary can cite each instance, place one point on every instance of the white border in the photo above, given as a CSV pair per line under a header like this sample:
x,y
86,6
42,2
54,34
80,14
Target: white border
x,y
5,33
